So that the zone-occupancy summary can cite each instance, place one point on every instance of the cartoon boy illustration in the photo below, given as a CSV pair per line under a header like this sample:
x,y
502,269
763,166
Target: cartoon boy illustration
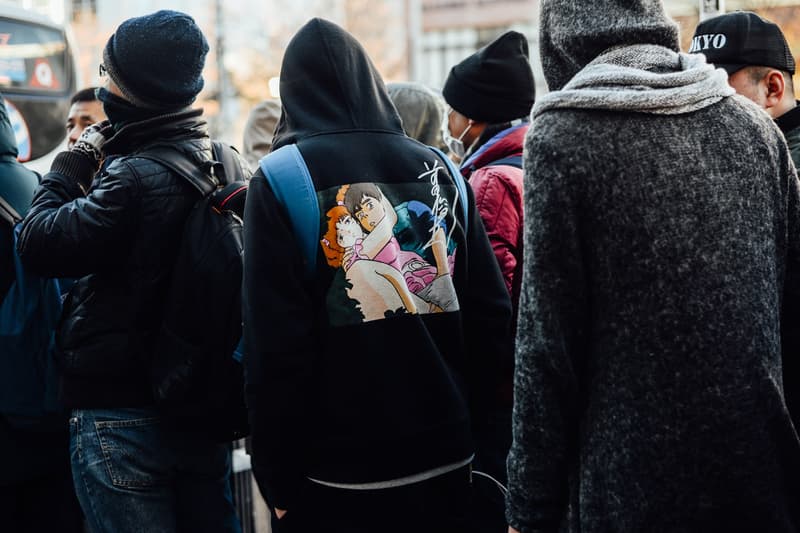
x,y
433,284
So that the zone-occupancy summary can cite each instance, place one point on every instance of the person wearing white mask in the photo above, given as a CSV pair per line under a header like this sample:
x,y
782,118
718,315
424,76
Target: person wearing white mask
x,y
490,94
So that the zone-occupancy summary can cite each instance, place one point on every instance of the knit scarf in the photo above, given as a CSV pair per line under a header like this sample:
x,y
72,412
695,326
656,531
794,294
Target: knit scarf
x,y
641,78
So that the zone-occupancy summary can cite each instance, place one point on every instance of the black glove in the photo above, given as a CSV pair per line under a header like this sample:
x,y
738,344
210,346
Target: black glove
x,y
91,141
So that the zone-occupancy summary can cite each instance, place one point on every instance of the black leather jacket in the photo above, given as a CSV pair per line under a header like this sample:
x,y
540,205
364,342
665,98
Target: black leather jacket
x,y
120,240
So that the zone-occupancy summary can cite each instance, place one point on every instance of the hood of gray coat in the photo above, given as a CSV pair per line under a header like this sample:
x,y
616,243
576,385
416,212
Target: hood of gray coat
x,y
421,110
574,32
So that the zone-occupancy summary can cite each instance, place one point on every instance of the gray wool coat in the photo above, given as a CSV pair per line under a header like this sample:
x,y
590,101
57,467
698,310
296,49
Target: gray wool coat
x,y
649,388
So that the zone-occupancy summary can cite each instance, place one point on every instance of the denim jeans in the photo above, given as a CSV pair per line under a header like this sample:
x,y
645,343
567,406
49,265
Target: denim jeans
x,y
132,474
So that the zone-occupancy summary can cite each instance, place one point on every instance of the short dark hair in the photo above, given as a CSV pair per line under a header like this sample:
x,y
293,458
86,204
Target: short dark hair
x,y
756,74
84,95
356,193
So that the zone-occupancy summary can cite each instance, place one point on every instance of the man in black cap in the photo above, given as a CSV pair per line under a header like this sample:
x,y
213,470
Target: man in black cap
x,y
490,94
119,236
759,63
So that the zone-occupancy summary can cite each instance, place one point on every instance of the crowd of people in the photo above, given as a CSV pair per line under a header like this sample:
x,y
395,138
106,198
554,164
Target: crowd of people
x,y
474,310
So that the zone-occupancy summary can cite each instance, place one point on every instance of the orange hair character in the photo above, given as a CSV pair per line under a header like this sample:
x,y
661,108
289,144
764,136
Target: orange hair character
x,y
330,245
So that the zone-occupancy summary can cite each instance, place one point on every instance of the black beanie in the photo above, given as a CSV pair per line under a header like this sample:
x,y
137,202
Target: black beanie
x,y
157,60
495,84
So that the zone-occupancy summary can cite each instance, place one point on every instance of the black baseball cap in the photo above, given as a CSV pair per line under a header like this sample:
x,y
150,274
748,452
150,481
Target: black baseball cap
x,y
736,40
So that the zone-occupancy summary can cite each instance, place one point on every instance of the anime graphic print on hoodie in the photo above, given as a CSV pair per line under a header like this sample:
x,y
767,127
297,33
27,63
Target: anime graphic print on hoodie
x,y
391,245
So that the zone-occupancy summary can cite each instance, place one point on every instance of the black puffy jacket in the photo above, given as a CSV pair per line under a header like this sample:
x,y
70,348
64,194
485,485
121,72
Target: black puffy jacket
x,y
120,240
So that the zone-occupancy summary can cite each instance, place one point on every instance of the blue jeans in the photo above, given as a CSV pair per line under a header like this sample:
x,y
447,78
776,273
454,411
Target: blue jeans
x,y
133,474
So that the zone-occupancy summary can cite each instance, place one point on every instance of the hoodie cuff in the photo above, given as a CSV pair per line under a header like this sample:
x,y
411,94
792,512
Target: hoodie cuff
x,y
274,461
76,166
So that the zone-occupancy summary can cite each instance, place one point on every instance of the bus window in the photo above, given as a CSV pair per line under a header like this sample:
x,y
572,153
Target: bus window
x,y
37,79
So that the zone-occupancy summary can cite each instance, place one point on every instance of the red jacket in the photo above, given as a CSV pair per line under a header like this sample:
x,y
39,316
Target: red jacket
x,y
498,196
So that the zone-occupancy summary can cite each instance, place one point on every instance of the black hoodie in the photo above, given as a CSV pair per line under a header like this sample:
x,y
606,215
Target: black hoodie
x,y
367,372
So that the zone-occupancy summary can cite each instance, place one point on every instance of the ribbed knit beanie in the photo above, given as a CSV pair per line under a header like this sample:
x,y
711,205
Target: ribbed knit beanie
x,y
495,84
157,60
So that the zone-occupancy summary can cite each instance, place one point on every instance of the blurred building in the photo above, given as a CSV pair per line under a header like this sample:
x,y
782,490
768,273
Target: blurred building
x,y
246,38
54,9
450,30
407,39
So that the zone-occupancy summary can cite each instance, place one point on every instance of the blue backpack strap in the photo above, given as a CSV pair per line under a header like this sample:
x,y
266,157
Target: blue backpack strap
x,y
288,176
461,185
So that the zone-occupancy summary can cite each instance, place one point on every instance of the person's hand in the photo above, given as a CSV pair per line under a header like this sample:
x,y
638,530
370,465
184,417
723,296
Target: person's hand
x,y
346,258
91,141
280,513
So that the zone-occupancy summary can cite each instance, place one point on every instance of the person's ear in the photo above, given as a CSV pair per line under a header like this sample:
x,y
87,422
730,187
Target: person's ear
x,y
775,87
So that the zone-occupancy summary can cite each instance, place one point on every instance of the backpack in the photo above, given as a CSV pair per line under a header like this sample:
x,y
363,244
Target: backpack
x,y
197,381
29,313
291,183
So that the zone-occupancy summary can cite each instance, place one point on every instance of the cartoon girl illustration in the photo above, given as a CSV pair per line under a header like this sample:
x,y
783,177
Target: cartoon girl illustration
x,y
377,287
377,218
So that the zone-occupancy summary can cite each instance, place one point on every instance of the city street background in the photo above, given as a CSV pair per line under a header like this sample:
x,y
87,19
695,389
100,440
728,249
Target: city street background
x,y
415,40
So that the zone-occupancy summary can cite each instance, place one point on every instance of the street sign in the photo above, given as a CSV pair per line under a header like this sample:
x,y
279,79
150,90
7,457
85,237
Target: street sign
x,y
711,8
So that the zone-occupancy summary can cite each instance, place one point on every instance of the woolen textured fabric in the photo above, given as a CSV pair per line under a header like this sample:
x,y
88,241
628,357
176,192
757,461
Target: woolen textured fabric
x,y
495,84
573,32
634,78
157,60
658,252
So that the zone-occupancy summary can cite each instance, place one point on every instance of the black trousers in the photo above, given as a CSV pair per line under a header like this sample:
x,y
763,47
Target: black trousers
x,y
438,505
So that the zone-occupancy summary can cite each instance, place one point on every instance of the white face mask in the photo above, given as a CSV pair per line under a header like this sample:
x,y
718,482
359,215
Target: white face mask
x,y
456,146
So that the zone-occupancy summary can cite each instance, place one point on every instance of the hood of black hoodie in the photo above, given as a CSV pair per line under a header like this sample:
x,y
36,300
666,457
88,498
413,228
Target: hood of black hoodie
x,y
574,32
328,84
